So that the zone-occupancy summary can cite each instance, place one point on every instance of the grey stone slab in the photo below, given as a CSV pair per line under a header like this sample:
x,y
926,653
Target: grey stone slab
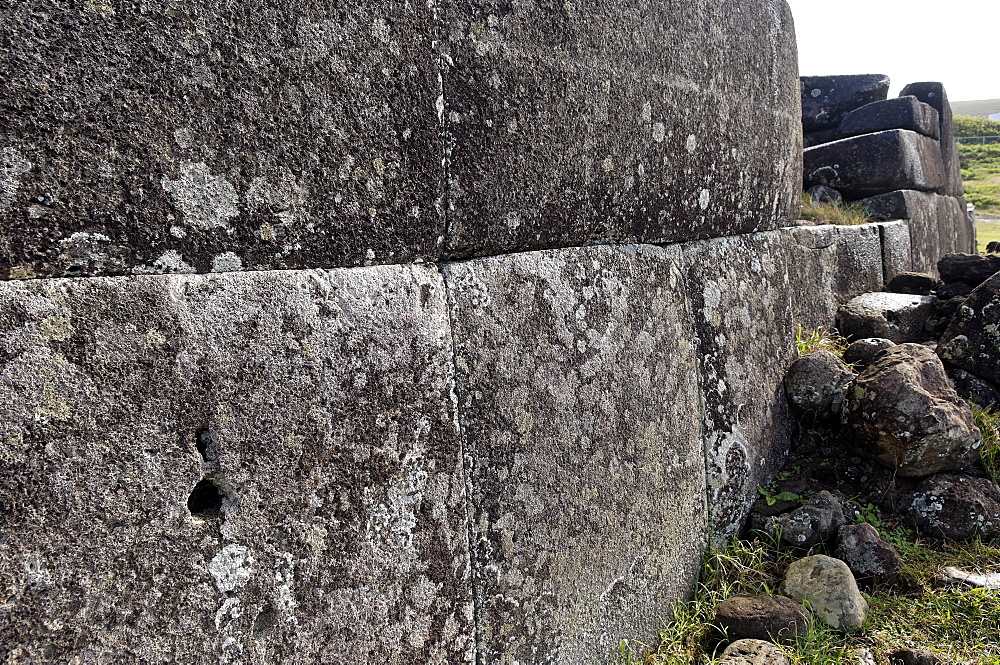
x,y
896,253
579,402
825,99
571,124
184,136
740,289
935,95
871,164
318,404
899,113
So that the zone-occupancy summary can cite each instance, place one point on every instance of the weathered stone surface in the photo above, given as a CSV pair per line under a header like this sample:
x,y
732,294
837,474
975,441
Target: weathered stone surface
x,y
316,403
739,291
571,123
753,652
816,384
816,521
866,553
897,255
825,99
830,589
899,113
908,656
934,94
762,617
906,415
972,339
895,316
871,164
824,194
971,269
955,506
913,283
862,352
191,136
569,407
973,388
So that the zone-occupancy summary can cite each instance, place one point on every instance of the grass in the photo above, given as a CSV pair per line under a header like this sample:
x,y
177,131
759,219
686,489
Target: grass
x,y
824,339
986,232
833,213
988,422
959,623
981,175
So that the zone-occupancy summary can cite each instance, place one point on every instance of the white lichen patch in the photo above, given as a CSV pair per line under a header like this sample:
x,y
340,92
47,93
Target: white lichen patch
x,y
208,201
282,195
691,144
227,262
13,165
703,199
171,261
231,568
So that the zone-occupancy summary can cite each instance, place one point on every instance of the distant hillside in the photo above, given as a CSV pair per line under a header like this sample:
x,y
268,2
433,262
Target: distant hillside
x,y
982,108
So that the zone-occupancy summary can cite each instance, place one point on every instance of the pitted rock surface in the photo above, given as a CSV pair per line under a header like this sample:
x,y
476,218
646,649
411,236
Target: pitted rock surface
x,y
866,553
971,269
826,99
816,521
762,617
894,316
753,652
955,506
909,656
899,113
906,415
934,94
830,589
913,283
862,352
972,338
816,384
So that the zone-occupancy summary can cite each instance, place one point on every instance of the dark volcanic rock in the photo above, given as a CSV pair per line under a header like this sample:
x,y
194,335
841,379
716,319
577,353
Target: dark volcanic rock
x,y
914,657
821,137
972,339
753,652
913,283
816,383
762,617
900,113
907,416
866,553
955,506
863,166
934,94
861,353
973,388
894,316
824,194
816,521
971,269
825,99
954,290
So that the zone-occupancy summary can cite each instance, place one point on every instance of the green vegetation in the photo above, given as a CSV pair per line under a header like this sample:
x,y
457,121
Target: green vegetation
x,y
980,164
807,341
962,624
986,232
833,213
988,422
968,126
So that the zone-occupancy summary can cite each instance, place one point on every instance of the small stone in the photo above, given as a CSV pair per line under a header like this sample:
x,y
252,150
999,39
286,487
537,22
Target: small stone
x,y
824,194
753,652
816,384
829,587
913,283
914,657
817,520
762,617
867,554
894,316
862,656
861,353
955,506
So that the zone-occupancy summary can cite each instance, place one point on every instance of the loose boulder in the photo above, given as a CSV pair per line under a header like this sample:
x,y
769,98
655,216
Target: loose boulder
x,y
817,520
971,269
904,413
914,657
894,316
974,389
816,384
753,652
900,113
955,506
869,556
826,99
913,283
972,339
829,587
861,353
762,617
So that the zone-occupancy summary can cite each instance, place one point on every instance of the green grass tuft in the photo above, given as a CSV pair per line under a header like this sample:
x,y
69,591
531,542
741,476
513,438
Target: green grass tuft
x,y
843,214
808,341
988,422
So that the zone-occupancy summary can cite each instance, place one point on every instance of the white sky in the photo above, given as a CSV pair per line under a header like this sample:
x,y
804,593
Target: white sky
x,y
952,41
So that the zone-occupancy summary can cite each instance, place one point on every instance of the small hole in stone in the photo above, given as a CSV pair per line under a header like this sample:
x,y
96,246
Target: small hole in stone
x,y
205,500
203,439
265,620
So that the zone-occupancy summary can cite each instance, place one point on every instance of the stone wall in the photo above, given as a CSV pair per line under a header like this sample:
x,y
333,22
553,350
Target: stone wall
x,y
505,440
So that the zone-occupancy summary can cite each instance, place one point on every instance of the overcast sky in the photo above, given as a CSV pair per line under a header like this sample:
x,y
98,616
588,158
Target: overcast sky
x,y
909,41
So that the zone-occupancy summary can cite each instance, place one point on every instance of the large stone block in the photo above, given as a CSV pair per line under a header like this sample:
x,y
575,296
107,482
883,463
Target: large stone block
x,y
934,94
897,255
183,136
900,113
739,289
251,467
826,99
623,121
873,164
578,394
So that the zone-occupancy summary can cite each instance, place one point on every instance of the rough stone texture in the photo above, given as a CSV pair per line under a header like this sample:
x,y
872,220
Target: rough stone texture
x,y
740,300
938,224
577,385
319,403
762,617
871,164
972,339
618,120
914,657
829,265
193,136
913,283
970,269
895,316
973,388
862,352
753,652
934,94
825,99
816,521
816,384
900,113
897,255
866,553
955,506
907,416
830,588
